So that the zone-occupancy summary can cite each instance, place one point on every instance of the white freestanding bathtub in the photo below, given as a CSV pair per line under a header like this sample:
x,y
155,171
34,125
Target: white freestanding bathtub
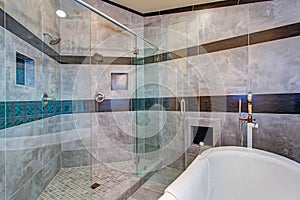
x,y
237,173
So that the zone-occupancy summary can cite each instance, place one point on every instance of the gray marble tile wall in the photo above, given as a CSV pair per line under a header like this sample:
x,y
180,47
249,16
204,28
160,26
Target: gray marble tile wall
x,y
97,138
75,29
2,166
109,40
94,34
16,92
114,139
33,157
32,149
31,20
76,140
105,140
2,68
47,72
75,82
274,66
266,68
40,19
272,14
2,98
172,140
101,81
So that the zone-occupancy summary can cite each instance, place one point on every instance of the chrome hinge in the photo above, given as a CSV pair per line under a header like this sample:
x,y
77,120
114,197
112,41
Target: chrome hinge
x,y
136,160
135,50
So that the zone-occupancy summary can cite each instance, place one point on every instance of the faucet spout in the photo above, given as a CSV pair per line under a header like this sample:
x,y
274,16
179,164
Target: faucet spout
x,y
249,120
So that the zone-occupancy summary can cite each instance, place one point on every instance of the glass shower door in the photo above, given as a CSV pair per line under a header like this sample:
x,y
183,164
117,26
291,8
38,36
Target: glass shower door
x,y
148,109
47,136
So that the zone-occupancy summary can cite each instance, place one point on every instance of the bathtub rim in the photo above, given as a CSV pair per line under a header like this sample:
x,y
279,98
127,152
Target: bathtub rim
x,y
257,152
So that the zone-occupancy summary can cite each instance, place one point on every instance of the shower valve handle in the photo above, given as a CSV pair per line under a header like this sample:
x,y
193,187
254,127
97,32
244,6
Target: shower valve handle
x,y
99,97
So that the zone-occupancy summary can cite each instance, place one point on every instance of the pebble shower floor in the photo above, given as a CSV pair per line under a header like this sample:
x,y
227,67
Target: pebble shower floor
x,y
75,183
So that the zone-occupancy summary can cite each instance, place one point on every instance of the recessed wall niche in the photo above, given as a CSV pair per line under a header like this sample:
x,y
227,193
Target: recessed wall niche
x,y
119,81
202,134
25,70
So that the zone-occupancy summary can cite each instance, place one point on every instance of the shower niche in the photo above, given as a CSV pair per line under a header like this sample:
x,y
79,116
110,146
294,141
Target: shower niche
x,y
25,70
119,81
202,135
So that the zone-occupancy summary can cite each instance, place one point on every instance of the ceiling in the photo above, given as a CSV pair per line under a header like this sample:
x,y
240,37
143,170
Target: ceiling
x,y
144,6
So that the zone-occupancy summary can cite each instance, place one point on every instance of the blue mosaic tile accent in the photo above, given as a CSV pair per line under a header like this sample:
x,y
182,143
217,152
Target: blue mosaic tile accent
x,y
18,121
2,124
40,109
58,109
9,110
78,106
19,111
50,108
30,110
9,122
67,107
30,119
2,110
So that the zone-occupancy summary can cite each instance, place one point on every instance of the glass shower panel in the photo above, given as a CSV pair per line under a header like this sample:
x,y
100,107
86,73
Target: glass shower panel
x,y
74,102
45,126
149,110
2,108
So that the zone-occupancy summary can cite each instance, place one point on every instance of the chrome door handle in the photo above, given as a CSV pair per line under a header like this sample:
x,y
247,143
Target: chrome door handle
x,y
99,97
182,106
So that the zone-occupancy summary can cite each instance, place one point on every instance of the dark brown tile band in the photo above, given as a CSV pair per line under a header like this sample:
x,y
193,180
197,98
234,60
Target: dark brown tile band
x,y
22,32
1,18
283,32
20,112
75,60
226,44
262,103
89,60
13,26
278,33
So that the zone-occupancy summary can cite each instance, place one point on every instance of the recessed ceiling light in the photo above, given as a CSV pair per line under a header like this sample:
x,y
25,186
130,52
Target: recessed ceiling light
x,y
61,13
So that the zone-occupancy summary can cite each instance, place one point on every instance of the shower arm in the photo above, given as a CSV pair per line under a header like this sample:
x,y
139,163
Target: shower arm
x,y
113,21
48,35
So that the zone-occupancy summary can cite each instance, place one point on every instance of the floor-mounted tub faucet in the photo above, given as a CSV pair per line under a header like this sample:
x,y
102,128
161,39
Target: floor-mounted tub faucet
x,y
249,120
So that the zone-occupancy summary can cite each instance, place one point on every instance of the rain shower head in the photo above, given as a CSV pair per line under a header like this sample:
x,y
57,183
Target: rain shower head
x,y
53,41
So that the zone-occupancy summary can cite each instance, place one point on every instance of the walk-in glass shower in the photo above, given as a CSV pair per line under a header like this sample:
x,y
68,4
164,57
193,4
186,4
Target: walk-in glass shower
x,y
82,115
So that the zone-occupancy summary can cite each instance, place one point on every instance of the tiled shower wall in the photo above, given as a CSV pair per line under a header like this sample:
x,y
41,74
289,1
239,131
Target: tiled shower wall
x,y
106,136
30,153
267,68
39,148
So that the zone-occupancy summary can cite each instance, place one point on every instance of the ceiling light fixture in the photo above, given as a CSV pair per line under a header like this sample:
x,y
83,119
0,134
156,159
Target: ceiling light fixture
x,y
61,13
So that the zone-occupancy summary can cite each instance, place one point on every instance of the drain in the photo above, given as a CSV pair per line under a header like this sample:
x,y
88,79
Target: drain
x,y
95,185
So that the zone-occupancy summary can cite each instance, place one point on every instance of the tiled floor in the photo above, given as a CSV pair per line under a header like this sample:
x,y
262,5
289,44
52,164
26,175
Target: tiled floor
x,y
156,185
75,183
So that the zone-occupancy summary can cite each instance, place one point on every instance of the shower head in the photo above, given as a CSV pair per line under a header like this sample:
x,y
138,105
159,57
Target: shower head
x,y
53,41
